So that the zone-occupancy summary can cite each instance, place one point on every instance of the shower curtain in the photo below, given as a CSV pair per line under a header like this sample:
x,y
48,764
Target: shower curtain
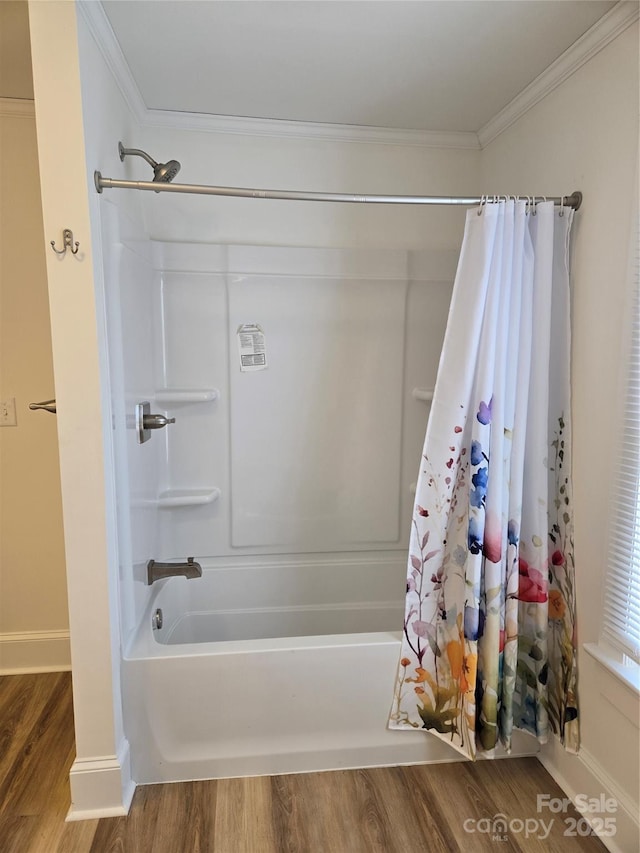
x,y
489,632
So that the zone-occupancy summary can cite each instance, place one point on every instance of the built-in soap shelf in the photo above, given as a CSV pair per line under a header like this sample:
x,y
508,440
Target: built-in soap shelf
x,y
172,498
186,395
187,497
424,394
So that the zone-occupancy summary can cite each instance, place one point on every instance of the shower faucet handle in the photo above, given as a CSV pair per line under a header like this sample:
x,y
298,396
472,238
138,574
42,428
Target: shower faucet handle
x,y
146,421
156,421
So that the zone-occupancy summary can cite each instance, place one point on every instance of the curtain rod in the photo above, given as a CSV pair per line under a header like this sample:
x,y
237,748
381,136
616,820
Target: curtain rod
x,y
573,200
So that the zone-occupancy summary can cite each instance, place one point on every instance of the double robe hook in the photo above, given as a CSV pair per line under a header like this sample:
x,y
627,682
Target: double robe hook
x,y
67,243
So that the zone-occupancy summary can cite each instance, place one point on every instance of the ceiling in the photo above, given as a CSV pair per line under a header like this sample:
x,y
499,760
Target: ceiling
x,y
435,65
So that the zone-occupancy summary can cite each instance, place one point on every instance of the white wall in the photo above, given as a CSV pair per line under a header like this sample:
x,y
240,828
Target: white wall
x,y
33,597
303,164
584,135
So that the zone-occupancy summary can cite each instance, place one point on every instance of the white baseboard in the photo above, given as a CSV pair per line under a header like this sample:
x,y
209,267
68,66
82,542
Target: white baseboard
x,y
101,787
583,774
34,651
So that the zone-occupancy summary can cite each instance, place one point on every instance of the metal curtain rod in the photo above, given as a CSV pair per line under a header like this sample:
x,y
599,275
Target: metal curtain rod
x,y
574,200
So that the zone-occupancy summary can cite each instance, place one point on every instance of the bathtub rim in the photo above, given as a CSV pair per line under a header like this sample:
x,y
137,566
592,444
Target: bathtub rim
x,y
141,643
145,646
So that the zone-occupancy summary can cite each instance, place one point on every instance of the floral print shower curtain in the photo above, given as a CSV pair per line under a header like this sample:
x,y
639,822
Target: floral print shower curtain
x,y
489,638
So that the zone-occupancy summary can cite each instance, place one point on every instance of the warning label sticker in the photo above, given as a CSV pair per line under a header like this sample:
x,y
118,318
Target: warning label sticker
x,y
251,347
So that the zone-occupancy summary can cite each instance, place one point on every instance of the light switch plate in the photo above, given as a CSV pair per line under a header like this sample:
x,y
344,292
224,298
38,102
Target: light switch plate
x,y
8,412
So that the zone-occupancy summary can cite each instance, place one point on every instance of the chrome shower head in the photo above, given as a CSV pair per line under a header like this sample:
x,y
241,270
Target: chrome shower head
x,y
162,172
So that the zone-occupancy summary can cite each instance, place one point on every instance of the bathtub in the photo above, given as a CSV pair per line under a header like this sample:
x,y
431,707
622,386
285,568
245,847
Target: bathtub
x,y
270,669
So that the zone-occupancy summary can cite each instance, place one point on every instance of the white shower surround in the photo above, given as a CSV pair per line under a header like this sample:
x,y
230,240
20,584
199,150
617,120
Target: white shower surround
x,y
281,657
315,455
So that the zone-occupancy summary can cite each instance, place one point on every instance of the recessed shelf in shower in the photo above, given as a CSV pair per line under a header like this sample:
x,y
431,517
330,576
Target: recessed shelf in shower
x,y
186,395
187,497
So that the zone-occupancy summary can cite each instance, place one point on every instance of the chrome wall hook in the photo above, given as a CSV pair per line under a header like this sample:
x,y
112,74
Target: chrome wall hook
x,y
67,243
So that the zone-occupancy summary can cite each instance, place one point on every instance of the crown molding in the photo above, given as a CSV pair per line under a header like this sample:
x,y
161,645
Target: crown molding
x,y
592,42
308,130
17,107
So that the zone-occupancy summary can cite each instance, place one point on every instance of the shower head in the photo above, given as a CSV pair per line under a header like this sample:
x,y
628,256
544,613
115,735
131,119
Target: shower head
x,y
162,172
166,172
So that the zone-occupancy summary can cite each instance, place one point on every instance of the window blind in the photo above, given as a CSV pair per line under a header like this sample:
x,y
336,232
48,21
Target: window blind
x,y
621,619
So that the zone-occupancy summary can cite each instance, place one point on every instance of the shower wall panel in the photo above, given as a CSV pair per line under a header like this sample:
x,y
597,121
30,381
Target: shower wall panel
x,y
135,350
316,450
316,436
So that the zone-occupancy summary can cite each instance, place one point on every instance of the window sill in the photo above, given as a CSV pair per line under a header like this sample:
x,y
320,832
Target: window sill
x,y
627,673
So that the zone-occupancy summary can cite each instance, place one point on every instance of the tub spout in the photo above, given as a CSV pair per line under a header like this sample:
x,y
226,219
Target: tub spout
x,y
157,571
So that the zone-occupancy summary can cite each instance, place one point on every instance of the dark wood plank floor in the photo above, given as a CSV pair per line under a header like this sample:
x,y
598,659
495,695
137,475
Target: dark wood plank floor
x,y
388,810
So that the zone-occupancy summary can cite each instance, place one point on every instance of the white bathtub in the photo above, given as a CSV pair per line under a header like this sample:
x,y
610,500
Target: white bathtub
x,y
302,681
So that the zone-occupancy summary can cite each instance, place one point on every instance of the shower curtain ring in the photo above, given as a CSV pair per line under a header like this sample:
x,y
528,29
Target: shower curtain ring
x,y
561,205
483,201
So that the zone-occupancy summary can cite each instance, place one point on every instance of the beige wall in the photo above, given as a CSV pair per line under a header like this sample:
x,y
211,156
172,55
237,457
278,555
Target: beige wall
x,y
32,567
584,136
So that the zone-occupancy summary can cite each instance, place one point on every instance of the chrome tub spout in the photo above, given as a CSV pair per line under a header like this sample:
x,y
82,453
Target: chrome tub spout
x,y
158,571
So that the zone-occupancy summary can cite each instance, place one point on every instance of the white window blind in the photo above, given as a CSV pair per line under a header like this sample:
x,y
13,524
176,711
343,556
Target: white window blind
x,y
621,623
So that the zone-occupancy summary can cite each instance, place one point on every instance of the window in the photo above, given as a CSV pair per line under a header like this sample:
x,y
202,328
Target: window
x,y
621,616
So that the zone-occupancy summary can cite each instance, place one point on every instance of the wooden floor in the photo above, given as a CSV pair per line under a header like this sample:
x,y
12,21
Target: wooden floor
x,y
390,810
